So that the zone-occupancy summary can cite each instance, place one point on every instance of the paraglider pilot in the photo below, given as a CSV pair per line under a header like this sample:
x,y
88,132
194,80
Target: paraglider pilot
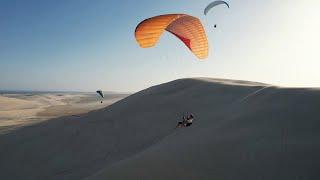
x,y
186,121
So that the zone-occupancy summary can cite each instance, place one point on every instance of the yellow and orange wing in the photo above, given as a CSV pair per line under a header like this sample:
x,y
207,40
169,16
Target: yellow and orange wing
x,y
187,28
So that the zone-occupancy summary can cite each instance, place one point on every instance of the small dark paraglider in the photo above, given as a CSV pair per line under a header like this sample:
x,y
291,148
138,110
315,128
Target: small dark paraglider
x,y
215,26
101,94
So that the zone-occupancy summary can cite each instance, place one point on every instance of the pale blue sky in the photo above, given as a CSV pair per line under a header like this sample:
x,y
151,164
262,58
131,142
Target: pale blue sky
x,y
83,45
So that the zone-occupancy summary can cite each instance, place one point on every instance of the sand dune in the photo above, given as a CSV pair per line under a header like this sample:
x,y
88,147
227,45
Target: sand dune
x,y
243,130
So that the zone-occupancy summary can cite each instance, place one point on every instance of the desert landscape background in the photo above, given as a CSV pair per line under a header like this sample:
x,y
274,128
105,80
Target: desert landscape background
x,y
20,108
242,130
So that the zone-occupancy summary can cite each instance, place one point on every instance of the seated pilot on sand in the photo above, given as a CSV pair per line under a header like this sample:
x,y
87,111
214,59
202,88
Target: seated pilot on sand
x,y
186,121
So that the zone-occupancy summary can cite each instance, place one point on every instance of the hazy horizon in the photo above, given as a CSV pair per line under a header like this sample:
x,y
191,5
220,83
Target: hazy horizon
x,y
57,92
84,46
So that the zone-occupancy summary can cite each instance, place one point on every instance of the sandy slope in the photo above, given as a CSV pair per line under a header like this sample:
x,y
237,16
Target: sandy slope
x,y
272,134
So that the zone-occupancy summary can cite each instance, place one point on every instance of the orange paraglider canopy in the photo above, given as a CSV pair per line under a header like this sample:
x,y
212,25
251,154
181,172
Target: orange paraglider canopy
x,y
187,28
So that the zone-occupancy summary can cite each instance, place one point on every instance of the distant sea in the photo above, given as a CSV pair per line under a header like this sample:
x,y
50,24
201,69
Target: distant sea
x,y
34,92
57,92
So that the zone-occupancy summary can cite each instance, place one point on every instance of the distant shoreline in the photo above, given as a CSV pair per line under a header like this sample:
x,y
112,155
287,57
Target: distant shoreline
x,y
56,92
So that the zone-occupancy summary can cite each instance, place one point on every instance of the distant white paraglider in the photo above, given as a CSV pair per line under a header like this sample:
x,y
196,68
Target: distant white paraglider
x,y
213,4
